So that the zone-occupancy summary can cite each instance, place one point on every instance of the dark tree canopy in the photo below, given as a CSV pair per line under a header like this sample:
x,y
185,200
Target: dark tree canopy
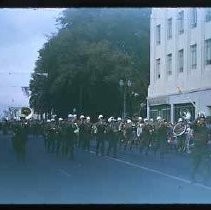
x,y
92,51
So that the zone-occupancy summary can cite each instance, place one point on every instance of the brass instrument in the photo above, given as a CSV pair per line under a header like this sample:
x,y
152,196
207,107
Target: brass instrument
x,y
26,112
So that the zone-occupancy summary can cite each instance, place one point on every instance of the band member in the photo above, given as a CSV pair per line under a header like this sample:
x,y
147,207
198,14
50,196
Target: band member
x,y
112,130
88,133
161,135
120,135
146,137
101,135
181,138
127,132
68,137
19,140
200,152
139,130
82,131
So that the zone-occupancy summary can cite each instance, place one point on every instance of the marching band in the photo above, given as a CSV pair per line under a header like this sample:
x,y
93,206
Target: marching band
x,y
111,136
63,135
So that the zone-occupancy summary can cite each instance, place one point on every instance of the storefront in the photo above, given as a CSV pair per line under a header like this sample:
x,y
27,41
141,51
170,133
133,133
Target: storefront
x,y
159,107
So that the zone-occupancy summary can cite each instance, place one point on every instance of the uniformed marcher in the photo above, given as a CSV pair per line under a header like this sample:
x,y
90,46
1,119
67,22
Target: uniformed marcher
x,y
181,138
19,140
112,136
200,153
82,131
146,132
101,135
88,134
161,135
67,134
127,133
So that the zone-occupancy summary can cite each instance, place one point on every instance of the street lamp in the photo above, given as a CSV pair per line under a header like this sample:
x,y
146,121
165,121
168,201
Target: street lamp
x,y
124,85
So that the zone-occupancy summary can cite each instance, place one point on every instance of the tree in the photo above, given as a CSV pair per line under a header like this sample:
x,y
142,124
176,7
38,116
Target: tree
x,y
85,60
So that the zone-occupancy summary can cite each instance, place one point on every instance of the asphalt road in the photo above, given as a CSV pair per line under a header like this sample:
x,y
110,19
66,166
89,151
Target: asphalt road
x,y
131,178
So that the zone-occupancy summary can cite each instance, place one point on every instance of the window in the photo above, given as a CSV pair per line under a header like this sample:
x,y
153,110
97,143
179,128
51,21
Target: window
x,y
208,15
181,22
169,28
153,114
166,114
158,68
193,18
181,60
208,51
158,34
193,56
169,64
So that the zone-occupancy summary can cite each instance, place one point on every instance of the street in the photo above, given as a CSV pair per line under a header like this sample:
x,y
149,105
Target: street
x,y
128,179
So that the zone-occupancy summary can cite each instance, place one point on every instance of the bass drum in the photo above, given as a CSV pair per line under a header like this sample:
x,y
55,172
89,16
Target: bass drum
x,y
179,129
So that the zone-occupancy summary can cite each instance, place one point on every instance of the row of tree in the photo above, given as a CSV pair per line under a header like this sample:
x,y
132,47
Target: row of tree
x,y
85,60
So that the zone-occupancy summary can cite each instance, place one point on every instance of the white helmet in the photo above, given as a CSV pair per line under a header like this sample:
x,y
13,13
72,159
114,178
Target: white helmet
x,y
88,118
100,116
140,118
129,121
70,115
145,120
159,118
119,118
180,120
60,119
151,120
52,120
109,119
75,115
48,121
82,117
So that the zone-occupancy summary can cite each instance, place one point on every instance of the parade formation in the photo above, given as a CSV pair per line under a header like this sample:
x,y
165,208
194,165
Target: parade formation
x,y
110,136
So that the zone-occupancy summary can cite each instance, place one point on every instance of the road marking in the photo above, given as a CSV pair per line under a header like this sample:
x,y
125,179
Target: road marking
x,y
158,172
64,172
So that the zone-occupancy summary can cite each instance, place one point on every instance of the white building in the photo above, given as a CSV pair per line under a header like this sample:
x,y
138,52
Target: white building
x,y
180,62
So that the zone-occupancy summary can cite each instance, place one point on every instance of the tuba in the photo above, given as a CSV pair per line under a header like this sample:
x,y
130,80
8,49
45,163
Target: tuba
x,y
179,129
26,112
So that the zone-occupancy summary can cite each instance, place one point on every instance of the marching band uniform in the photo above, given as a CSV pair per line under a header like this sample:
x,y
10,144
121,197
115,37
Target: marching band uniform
x,y
101,136
200,152
112,136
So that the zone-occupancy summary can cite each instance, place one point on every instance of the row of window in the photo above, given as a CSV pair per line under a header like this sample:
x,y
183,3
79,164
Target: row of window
x,y
180,59
193,24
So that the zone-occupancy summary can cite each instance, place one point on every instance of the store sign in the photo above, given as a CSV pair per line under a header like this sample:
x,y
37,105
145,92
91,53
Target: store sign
x,y
158,101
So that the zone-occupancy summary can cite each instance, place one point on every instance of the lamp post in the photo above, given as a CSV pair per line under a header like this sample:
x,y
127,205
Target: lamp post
x,y
124,85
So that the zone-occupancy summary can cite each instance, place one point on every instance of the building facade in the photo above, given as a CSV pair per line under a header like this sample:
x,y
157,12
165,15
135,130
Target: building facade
x,y
180,62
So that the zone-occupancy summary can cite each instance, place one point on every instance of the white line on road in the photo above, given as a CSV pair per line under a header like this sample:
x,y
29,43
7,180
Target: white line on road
x,y
64,172
158,172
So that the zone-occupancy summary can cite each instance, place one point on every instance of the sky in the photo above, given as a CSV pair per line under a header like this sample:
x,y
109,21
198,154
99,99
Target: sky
x,y
22,34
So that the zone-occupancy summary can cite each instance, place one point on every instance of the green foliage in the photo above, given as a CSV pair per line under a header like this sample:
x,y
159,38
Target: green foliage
x,y
92,51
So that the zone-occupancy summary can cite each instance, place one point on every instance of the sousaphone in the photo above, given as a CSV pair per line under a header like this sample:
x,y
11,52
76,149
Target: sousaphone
x,y
26,112
180,127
